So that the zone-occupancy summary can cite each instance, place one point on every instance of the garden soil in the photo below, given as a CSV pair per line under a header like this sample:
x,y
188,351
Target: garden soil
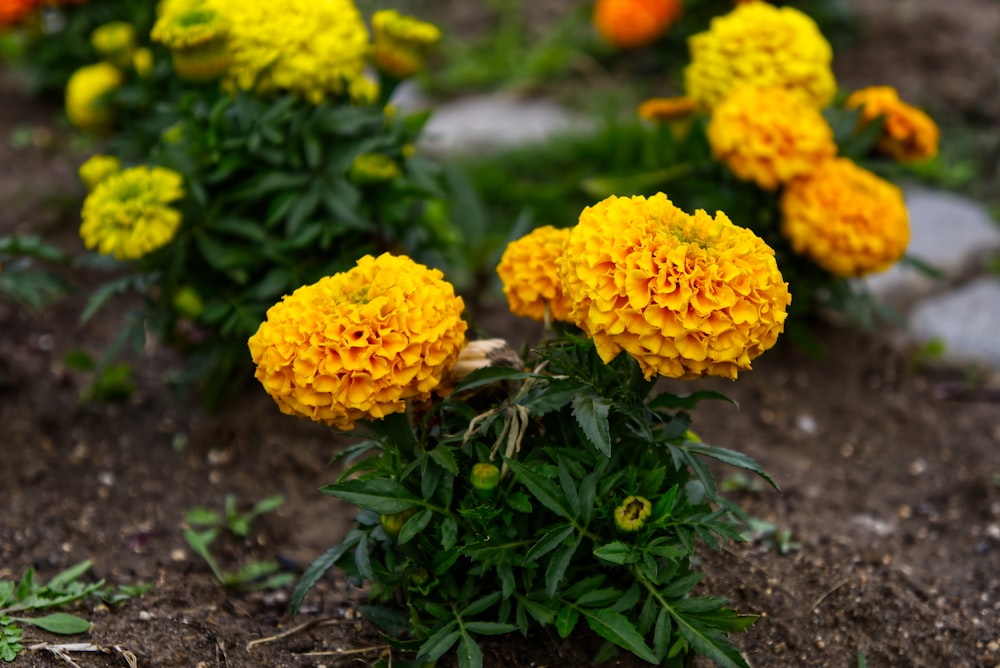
x,y
884,540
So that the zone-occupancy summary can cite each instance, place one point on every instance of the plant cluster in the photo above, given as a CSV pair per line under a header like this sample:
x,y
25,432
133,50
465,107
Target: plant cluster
x,y
499,494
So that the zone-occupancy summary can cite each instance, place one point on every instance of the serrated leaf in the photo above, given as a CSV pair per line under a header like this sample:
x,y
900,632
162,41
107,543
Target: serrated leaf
x,y
443,456
710,642
383,496
730,457
440,642
615,627
688,401
548,542
591,413
488,376
469,654
542,489
480,605
566,620
556,570
57,622
414,526
616,552
319,567
599,598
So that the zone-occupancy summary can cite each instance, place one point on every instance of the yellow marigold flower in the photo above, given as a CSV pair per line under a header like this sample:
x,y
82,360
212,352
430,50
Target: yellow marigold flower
x,y
769,135
374,168
142,62
847,220
97,168
760,45
312,48
529,272
628,24
115,42
685,295
631,514
363,91
908,134
196,34
86,89
129,215
663,109
358,344
400,42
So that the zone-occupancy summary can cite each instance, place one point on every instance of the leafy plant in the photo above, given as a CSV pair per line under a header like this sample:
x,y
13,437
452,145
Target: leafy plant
x,y
208,524
21,280
573,494
65,588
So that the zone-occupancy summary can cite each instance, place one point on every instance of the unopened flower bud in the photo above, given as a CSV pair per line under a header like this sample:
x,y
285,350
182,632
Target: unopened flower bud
x,y
485,478
632,513
393,524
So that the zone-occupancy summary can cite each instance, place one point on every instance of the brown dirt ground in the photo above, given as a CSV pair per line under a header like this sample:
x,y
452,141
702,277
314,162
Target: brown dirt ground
x,y
888,488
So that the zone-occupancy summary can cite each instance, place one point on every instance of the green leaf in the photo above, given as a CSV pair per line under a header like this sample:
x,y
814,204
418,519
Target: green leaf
x,y
489,376
616,552
542,489
57,622
469,654
444,457
661,633
381,495
710,642
730,457
61,580
415,525
552,539
490,628
566,620
591,413
599,598
615,627
319,567
439,643
203,517
556,570
480,605
689,401
10,639
568,485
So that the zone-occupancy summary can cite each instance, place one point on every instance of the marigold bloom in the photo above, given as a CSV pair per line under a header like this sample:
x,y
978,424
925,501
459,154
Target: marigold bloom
x,y
633,23
195,32
115,42
769,136
97,168
529,272
15,11
128,214
760,45
846,219
400,42
908,134
663,109
685,295
86,89
142,62
631,514
358,344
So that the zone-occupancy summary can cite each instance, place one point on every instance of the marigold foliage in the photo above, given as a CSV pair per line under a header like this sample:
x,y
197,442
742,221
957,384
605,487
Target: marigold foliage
x,y
528,270
908,133
769,135
400,42
128,214
634,23
685,295
760,45
97,168
86,89
358,344
846,219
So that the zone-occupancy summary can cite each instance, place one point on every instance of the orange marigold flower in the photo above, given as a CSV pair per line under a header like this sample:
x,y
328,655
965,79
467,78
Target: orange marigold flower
x,y
757,44
528,270
908,134
15,11
633,23
769,136
358,344
847,220
667,108
685,295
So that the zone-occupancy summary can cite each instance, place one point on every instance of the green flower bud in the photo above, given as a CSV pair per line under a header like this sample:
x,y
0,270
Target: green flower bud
x,y
485,478
392,524
632,513
188,302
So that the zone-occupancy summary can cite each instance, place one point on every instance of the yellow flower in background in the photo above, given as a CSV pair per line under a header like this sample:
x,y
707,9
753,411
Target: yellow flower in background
x,y
846,219
86,91
631,514
196,34
769,135
358,344
97,168
115,42
908,133
528,270
661,109
400,43
374,168
685,295
142,62
128,214
760,45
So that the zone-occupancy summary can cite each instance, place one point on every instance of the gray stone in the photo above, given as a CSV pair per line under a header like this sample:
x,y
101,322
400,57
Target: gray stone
x,y
950,233
966,320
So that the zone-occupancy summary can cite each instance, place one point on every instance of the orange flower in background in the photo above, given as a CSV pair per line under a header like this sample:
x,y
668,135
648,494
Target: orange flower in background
x,y
908,134
528,270
846,219
629,24
15,11
769,135
661,109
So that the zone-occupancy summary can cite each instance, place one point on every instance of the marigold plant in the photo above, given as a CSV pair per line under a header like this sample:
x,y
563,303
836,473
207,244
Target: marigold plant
x,y
846,219
87,104
400,43
633,23
769,135
358,344
757,44
685,295
128,214
908,133
97,168
529,271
